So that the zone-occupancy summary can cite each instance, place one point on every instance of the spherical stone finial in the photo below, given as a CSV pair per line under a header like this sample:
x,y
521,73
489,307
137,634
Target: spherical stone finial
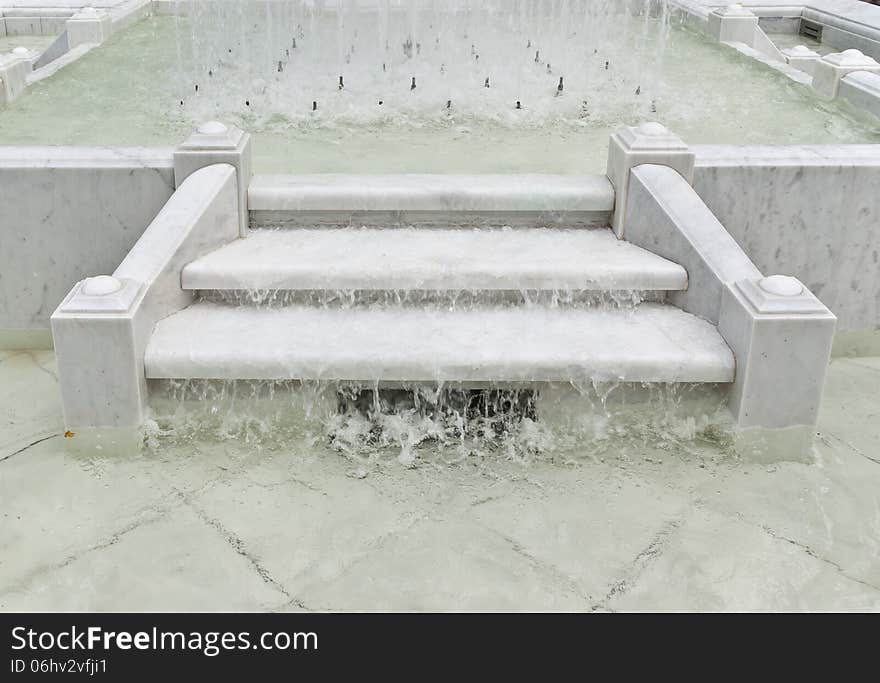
x,y
212,128
781,285
21,51
652,128
101,285
800,50
853,57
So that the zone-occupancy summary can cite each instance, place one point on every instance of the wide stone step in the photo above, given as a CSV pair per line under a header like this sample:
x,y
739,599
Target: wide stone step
x,y
481,259
652,343
414,199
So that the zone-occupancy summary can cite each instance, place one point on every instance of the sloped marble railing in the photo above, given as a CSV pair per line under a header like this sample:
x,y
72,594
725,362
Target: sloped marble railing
x,y
780,333
102,327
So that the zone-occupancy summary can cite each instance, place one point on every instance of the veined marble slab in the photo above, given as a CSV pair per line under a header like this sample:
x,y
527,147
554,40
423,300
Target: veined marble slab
x,y
806,210
652,343
67,4
85,157
68,213
418,192
790,155
101,330
367,258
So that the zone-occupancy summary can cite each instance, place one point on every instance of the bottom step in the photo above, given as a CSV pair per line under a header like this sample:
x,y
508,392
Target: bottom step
x,y
651,343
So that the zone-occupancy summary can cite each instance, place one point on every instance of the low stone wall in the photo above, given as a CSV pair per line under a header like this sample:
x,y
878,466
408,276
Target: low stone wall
x,y
811,211
33,21
67,213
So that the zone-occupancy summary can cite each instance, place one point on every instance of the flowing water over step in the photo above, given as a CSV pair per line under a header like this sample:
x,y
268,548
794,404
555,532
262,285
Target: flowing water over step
x,y
446,423
450,341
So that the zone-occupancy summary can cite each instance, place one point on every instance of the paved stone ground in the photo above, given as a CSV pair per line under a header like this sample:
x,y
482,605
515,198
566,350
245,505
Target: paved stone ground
x,y
222,526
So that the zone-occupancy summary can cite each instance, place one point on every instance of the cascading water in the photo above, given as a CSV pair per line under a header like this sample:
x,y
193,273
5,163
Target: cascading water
x,y
516,62
362,63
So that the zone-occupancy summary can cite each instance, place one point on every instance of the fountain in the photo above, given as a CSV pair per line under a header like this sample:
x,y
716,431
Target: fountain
x,y
607,273
398,304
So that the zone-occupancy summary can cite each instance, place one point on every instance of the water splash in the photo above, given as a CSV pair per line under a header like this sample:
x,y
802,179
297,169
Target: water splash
x,y
442,424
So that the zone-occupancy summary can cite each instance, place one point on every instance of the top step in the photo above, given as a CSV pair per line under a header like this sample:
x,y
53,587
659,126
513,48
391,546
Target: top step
x,y
418,199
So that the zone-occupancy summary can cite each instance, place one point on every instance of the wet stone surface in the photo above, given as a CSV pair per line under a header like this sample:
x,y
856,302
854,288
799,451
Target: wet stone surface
x,y
622,522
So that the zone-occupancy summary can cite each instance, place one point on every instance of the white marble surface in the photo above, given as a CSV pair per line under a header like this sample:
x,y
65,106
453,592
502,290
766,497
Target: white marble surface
x,y
364,258
45,20
762,43
851,10
847,23
652,343
862,88
782,67
781,359
776,203
128,12
214,142
803,59
93,344
78,30
733,23
68,213
55,65
13,76
666,216
414,192
781,337
860,36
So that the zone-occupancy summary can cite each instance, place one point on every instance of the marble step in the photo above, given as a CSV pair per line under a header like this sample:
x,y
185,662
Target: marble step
x,y
430,200
652,343
431,259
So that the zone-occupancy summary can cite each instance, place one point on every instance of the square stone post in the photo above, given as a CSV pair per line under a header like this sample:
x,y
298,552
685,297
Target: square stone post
x,y
781,336
802,58
733,24
89,25
216,143
647,143
830,70
96,343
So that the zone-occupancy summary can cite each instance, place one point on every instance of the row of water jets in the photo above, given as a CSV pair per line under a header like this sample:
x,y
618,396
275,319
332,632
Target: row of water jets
x,y
359,61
